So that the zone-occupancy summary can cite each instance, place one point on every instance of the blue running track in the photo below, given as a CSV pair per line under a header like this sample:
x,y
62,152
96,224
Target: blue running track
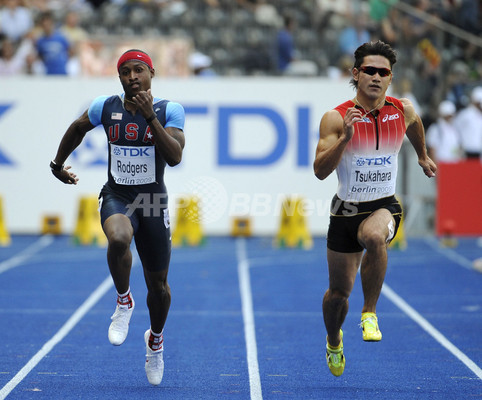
x,y
245,323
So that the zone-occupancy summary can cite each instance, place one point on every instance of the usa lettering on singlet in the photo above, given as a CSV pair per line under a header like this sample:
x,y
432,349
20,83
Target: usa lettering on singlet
x,y
133,160
369,164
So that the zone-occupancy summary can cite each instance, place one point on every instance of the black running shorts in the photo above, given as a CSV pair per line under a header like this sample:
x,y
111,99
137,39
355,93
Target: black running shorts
x,y
346,217
151,226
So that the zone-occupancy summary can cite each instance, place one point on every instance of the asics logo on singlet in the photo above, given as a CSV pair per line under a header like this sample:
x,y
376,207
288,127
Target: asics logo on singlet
x,y
390,117
373,161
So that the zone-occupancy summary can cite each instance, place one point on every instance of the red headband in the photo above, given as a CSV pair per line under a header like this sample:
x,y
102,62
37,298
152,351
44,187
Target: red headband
x,y
134,55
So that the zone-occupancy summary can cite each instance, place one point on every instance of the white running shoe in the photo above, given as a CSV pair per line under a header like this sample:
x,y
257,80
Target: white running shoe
x,y
154,362
119,326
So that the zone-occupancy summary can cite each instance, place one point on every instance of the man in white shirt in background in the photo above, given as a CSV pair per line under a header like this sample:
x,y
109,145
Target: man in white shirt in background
x,y
443,139
469,124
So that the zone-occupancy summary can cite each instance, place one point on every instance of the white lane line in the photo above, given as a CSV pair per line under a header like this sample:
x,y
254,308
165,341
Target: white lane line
x,y
430,329
450,254
248,318
24,255
64,331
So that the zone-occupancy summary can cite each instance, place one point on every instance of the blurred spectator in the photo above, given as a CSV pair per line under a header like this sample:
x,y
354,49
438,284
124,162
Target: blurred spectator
x,y
390,27
15,60
172,8
469,124
457,80
57,6
72,30
92,60
403,89
443,142
354,34
200,65
380,9
285,50
343,68
15,21
331,14
266,14
53,48
75,34
415,28
468,16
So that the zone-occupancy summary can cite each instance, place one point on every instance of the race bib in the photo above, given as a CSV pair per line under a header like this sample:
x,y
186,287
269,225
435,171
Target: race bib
x,y
372,177
133,165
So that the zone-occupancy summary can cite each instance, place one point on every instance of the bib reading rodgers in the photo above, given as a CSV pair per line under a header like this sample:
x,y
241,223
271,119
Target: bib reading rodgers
x,y
369,178
133,165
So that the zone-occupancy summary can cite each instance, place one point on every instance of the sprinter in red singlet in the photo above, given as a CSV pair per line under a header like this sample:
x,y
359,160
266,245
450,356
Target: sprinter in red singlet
x,y
361,139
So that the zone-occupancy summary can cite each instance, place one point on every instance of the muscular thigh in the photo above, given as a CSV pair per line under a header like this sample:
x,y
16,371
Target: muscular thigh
x,y
114,208
380,223
343,269
153,243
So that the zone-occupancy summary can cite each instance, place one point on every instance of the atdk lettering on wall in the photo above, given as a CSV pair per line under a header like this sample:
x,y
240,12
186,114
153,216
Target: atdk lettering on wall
x,y
4,159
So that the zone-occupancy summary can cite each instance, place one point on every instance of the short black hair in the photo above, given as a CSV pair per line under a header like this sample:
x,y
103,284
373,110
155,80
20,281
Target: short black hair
x,y
377,48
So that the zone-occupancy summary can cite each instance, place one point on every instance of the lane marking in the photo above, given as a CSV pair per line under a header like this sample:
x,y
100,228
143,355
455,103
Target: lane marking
x,y
430,329
450,254
57,338
248,318
24,255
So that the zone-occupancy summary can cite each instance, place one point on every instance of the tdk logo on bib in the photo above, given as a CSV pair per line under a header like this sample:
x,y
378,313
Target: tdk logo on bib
x,y
385,160
133,151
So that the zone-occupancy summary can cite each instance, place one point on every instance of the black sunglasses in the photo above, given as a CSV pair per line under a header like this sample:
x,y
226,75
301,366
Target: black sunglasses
x,y
383,72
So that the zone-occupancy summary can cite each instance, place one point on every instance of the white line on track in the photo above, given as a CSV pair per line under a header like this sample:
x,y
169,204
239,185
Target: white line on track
x,y
248,318
449,253
24,255
415,316
64,331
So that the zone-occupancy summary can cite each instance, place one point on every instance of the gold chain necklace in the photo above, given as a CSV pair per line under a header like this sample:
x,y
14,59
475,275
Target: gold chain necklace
x,y
373,109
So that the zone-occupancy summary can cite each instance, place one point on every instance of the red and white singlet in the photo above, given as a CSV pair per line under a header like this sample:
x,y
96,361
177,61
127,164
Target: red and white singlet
x,y
368,168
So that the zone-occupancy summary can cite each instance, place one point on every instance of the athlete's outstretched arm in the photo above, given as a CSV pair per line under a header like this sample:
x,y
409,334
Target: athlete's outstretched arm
x,y
416,134
72,138
335,133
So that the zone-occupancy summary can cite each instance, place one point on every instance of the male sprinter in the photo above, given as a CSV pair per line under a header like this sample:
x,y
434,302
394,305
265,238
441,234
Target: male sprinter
x,y
361,139
144,133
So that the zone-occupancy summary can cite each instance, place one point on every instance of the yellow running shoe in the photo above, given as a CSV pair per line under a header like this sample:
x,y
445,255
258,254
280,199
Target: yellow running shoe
x,y
335,357
369,324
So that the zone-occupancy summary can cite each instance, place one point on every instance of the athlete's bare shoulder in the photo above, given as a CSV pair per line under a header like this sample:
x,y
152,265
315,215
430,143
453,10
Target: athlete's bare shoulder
x,y
331,122
409,111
